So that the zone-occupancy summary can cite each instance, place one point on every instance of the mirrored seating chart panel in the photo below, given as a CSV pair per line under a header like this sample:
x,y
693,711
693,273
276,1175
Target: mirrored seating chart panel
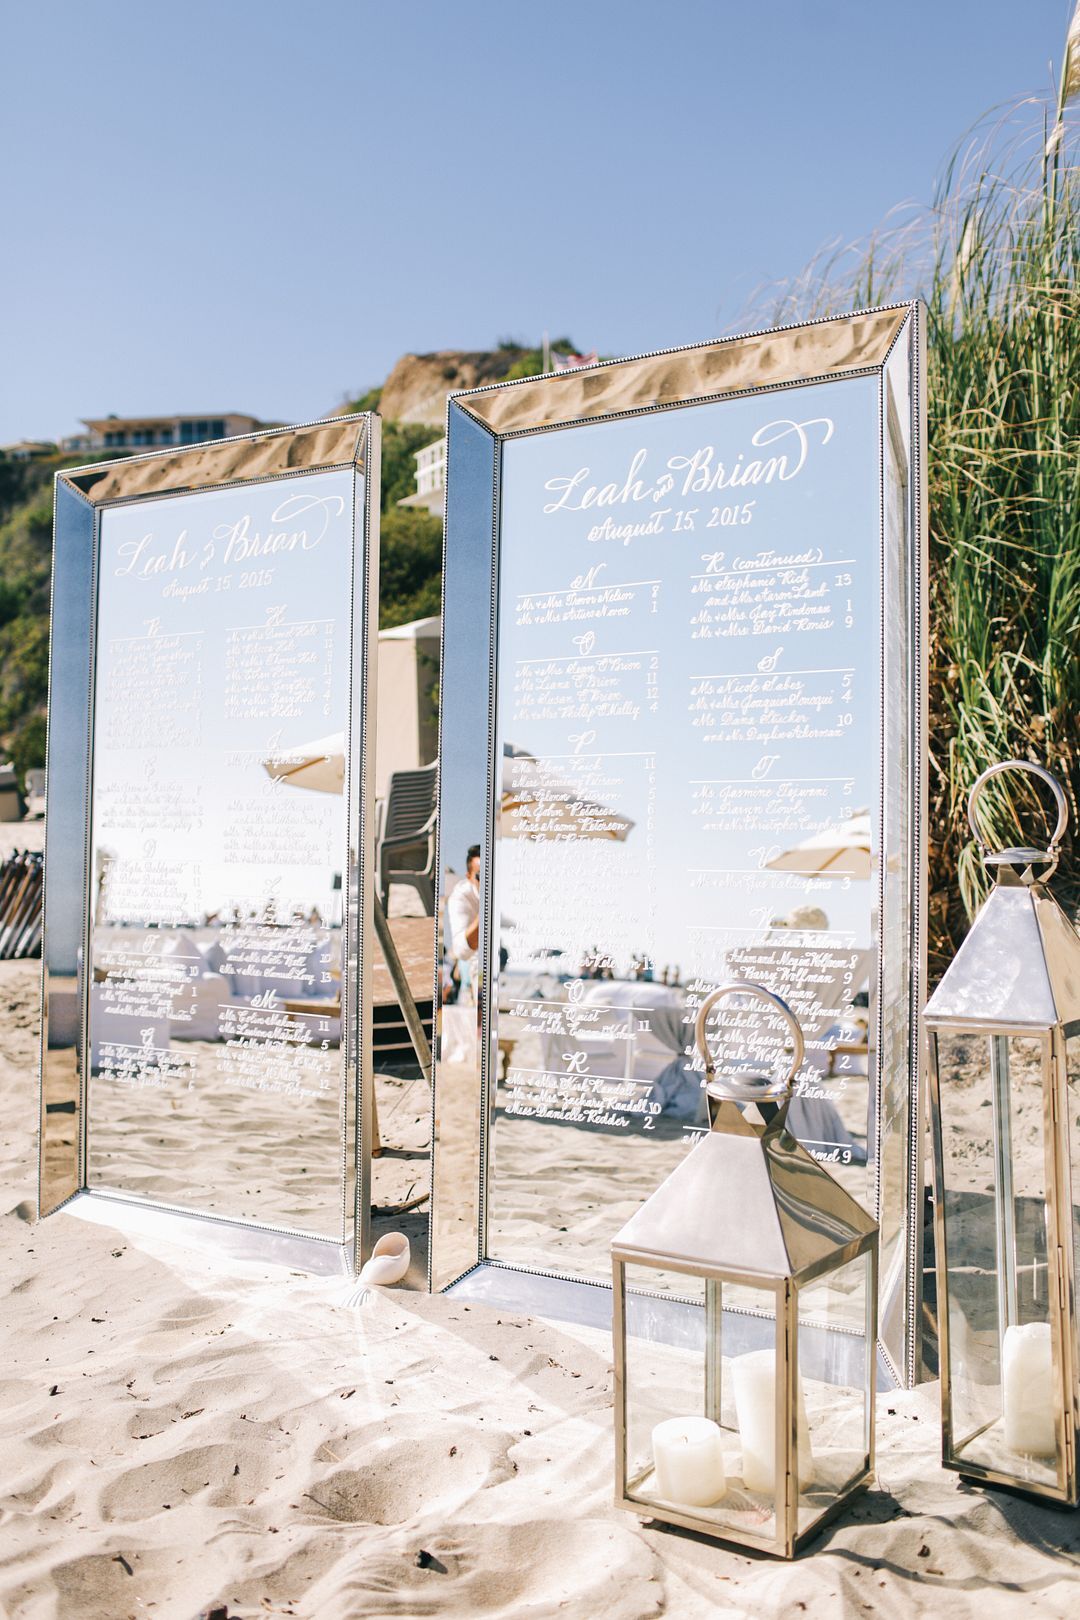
x,y
218,980
704,700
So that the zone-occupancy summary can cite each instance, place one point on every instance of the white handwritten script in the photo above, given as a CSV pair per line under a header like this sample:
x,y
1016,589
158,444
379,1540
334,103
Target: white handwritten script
x,y
149,557
699,473
689,743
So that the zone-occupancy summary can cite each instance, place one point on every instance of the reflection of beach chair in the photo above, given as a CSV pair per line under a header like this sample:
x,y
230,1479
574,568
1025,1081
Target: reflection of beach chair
x,y
406,846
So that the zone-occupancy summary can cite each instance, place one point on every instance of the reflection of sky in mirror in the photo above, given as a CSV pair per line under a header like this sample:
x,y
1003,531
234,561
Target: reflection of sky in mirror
x,y
714,679
216,652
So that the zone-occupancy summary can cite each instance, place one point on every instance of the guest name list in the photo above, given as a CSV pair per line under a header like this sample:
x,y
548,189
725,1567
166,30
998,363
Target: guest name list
x,y
223,637
689,755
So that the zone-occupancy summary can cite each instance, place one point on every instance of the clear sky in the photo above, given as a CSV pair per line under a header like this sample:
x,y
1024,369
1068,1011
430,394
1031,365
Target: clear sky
x,y
257,205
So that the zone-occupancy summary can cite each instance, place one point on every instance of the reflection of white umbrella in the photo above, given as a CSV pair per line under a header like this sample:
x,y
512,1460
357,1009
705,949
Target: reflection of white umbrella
x,y
547,807
319,765
839,852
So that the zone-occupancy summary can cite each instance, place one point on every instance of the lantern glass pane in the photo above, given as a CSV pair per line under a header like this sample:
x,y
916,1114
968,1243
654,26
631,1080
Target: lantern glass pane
x,y
694,1366
835,1387
994,1125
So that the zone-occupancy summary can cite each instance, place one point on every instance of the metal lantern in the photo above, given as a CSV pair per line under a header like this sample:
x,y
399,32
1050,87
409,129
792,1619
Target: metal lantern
x,y
1004,1037
745,1317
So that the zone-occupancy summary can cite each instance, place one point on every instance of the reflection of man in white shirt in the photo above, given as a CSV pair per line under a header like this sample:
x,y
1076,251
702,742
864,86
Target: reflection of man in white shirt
x,y
463,914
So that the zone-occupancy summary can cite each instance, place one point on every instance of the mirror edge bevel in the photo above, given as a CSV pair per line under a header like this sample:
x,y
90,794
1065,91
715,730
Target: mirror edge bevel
x,y
68,704
920,754
359,1076
465,705
602,373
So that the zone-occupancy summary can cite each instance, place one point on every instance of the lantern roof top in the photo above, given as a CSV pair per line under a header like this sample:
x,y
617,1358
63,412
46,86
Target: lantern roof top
x,y
753,1204
1019,966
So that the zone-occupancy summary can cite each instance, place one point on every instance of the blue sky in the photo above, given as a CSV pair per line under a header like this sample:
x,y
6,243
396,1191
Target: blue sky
x,y
257,206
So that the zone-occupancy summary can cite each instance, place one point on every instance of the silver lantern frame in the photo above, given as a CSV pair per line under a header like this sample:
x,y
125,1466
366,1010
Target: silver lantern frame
x,y
804,1227
954,1010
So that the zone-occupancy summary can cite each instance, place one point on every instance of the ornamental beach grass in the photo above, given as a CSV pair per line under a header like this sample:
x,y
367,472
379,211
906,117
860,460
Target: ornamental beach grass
x,y
996,259
1004,478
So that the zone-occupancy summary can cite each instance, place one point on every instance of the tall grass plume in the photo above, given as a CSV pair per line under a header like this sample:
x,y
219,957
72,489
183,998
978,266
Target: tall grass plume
x,y
997,259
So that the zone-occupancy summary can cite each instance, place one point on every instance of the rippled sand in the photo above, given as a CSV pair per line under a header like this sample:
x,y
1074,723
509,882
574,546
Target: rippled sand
x,y
179,1431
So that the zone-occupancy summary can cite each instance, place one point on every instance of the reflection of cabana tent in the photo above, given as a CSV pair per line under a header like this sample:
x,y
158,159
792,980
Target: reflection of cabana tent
x,y
407,721
835,852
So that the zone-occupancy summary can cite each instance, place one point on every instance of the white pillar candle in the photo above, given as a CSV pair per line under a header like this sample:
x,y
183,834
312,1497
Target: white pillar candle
x,y
688,1456
754,1378
1028,1391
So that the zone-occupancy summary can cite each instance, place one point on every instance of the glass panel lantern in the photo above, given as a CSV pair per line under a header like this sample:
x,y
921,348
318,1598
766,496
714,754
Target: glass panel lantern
x,y
1004,1039
745,1317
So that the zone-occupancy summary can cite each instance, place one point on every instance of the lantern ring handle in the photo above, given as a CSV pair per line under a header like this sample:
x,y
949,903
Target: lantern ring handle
x,y
1051,854
744,987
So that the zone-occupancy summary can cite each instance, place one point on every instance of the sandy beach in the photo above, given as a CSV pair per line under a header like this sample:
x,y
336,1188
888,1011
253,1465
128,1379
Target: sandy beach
x,y
185,1433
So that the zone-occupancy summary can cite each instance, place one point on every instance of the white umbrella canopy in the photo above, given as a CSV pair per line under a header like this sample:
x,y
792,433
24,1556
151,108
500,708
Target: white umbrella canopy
x,y
838,852
318,766
542,806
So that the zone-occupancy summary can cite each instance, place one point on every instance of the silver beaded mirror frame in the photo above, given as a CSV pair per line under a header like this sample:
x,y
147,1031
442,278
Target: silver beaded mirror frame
x,y
208,891
683,719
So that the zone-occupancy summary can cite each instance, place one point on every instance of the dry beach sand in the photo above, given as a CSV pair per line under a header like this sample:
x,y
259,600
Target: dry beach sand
x,y
179,1431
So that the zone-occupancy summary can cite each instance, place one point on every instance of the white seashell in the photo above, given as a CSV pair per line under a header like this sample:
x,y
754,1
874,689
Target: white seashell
x,y
388,1263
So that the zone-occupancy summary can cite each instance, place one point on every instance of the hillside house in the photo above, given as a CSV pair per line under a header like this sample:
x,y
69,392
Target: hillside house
x,y
159,432
430,478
